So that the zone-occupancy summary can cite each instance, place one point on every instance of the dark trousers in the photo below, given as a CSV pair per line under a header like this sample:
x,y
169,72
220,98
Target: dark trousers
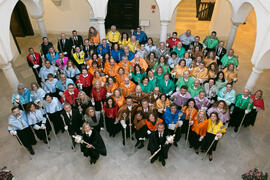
x,y
194,140
208,139
177,133
186,46
162,154
237,117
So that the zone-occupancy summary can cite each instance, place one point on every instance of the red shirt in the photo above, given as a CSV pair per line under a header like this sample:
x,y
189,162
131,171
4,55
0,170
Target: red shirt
x,y
70,98
110,112
258,102
98,96
85,81
34,61
172,42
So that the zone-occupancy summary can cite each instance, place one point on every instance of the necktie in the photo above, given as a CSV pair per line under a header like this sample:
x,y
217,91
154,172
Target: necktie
x,y
70,117
63,42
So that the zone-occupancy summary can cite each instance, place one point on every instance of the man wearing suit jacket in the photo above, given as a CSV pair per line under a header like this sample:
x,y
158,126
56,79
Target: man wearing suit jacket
x,y
64,46
87,48
73,120
196,42
76,40
158,140
220,52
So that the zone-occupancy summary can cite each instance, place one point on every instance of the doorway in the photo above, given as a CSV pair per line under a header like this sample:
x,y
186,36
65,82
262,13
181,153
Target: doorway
x,y
122,13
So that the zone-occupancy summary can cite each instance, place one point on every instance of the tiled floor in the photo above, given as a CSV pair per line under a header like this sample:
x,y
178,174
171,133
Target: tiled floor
x,y
234,155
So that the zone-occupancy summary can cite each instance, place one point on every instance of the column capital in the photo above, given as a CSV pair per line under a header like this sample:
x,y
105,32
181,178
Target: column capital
x,y
100,20
164,22
6,66
257,70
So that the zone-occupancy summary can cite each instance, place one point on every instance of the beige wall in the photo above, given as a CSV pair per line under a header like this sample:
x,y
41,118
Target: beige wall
x,y
146,13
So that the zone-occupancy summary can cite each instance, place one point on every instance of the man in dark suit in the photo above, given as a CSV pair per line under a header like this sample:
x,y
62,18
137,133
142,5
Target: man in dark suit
x,y
87,49
73,120
157,141
196,42
64,45
220,52
76,40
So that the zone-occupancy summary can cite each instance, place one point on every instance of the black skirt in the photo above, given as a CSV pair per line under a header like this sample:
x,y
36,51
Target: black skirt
x,y
194,139
250,118
27,137
141,133
207,141
237,117
56,121
111,127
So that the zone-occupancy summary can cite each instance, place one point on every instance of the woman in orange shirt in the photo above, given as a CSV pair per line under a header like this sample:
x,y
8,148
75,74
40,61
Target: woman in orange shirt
x,y
111,85
213,70
211,58
198,130
93,36
230,73
93,68
190,110
98,77
121,75
94,59
118,97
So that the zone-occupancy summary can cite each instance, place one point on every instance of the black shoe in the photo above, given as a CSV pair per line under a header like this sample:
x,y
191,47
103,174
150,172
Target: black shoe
x,y
210,157
175,144
141,145
163,163
197,151
235,129
190,146
152,160
31,151
124,143
137,143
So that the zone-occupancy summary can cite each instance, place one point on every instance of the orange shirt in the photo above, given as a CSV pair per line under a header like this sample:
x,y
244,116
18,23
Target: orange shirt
x,y
200,128
141,62
100,79
89,63
120,79
119,101
229,75
187,111
94,39
150,125
209,61
111,70
200,73
126,91
91,70
110,89
127,67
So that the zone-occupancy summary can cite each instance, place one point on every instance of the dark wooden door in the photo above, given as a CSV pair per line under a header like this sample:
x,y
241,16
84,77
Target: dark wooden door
x,y
122,13
20,24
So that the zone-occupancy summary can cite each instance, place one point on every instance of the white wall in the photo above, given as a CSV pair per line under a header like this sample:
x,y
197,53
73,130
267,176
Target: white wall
x,y
70,15
146,13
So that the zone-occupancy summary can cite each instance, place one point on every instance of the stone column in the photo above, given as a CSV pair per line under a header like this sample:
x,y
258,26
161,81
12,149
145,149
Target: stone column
x,y
41,27
253,78
163,30
10,75
232,35
101,27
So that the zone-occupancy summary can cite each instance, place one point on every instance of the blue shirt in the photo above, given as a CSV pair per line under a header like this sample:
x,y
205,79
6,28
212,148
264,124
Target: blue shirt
x,y
53,106
62,87
43,73
102,50
170,118
140,37
130,55
18,123
186,40
49,87
49,57
36,117
24,98
71,72
37,96
116,55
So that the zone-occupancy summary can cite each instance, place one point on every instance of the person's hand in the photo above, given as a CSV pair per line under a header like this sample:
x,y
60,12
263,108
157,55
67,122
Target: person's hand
x,y
180,123
89,146
160,110
216,138
124,126
219,135
201,138
42,126
190,123
13,133
247,111
66,128
148,132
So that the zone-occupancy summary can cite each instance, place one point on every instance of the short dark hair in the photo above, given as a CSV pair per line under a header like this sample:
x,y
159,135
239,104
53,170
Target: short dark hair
x,y
184,87
13,108
175,33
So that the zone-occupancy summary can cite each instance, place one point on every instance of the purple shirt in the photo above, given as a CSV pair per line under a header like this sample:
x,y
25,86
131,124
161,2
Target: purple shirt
x,y
62,64
179,99
224,117
201,103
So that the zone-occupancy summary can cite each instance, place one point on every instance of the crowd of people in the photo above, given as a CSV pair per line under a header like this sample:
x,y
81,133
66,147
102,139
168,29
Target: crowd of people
x,y
127,84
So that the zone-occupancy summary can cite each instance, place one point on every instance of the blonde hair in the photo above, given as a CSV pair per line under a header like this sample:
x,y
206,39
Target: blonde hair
x,y
88,109
85,100
84,125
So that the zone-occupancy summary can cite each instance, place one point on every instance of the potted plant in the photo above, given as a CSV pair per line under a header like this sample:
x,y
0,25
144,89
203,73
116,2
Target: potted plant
x,y
255,174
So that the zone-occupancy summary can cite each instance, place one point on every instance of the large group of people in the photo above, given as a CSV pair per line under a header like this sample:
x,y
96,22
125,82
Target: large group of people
x,y
130,85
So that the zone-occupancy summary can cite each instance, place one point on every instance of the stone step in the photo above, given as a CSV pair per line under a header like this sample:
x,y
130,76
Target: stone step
x,y
183,14
186,9
186,19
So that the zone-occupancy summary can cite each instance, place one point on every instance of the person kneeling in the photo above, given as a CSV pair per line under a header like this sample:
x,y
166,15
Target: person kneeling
x,y
92,145
159,144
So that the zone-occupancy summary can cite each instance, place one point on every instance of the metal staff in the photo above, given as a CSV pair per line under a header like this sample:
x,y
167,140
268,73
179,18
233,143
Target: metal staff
x,y
130,126
53,130
47,139
103,116
190,116
125,130
78,139
63,119
21,144
250,101
221,128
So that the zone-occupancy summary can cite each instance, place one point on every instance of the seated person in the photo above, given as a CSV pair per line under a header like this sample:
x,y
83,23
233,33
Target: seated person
x,y
113,36
172,41
227,94
211,41
140,35
134,44
229,58
52,55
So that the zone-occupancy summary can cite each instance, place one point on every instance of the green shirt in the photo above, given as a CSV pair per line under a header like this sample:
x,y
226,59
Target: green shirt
x,y
226,60
147,88
152,83
220,84
211,43
159,78
180,52
165,67
181,82
194,92
166,88
243,103
138,76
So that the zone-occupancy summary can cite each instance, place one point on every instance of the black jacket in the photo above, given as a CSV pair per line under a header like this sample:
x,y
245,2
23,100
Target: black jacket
x,y
74,123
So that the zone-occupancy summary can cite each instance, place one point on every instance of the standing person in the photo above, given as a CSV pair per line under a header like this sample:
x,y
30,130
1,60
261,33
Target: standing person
x,y
52,55
110,108
21,97
202,102
227,94
70,95
142,52
64,46
173,119
140,129
138,74
185,80
93,37
98,95
93,118
61,62
84,81
179,49
49,86
38,121
78,57
190,110
243,105
220,81
103,48
211,42
18,126
47,69
44,47
113,36
222,109
167,86
149,46
181,97
62,83
258,106
161,104
186,38
229,58
37,94
151,60
198,130
116,53
95,145
140,35
83,102
220,52
125,40
162,50
76,40
35,62
158,140
73,121
214,133
172,41
71,71
53,107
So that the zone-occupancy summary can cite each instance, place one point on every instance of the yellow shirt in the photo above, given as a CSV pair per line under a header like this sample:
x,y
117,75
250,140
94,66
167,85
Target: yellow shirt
x,y
214,128
141,62
77,59
113,37
179,70
229,75
200,73
125,42
133,46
